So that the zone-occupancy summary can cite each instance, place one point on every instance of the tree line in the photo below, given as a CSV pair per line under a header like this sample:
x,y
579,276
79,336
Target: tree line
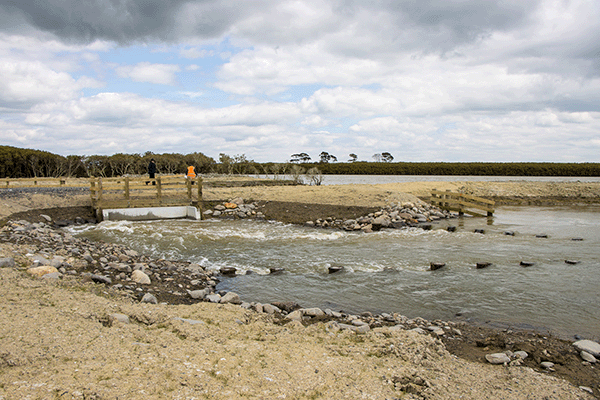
x,y
26,163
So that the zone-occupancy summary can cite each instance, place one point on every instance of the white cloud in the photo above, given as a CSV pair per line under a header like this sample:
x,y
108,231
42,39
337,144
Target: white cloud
x,y
496,80
194,52
161,74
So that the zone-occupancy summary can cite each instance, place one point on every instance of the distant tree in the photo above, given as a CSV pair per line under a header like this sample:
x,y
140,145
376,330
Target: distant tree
x,y
326,157
300,158
202,163
315,176
353,157
170,163
122,164
387,157
96,165
377,157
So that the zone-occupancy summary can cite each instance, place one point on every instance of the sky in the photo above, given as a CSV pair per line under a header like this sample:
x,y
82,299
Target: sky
x,y
427,80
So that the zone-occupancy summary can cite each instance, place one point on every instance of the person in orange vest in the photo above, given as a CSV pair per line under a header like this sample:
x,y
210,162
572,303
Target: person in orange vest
x,y
191,173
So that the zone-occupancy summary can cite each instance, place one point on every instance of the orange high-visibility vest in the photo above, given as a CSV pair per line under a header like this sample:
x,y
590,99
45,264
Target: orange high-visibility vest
x,y
191,173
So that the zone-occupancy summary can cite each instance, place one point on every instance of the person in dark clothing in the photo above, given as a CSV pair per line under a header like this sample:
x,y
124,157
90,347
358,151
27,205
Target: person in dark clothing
x,y
151,171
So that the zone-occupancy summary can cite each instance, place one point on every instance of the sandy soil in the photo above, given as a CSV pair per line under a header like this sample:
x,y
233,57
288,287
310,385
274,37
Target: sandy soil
x,y
356,195
383,194
57,339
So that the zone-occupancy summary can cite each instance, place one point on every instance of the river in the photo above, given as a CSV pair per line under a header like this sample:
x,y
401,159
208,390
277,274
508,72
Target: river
x,y
388,271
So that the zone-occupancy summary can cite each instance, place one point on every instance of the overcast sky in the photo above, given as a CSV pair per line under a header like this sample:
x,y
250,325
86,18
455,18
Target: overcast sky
x,y
427,80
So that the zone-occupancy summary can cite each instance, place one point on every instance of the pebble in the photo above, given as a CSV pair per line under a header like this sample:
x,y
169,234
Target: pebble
x,y
231,297
149,298
41,271
585,356
138,276
547,365
497,358
120,318
7,262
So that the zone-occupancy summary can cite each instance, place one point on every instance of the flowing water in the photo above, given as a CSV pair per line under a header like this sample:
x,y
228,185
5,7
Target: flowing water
x,y
388,271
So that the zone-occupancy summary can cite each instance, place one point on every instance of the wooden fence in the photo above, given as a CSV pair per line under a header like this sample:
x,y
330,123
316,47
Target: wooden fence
x,y
463,203
8,183
135,192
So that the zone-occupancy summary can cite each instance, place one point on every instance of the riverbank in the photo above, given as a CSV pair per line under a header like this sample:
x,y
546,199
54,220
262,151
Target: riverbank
x,y
264,355
107,318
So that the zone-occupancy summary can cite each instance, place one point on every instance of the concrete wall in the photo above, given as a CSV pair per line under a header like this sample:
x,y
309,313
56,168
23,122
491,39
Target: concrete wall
x,y
149,213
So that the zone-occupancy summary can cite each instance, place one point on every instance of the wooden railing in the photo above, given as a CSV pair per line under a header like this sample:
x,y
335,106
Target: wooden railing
x,y
8,183
463,203
130,192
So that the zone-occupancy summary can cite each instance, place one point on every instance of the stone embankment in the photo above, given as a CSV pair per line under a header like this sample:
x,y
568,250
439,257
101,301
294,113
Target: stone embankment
x,y
394,216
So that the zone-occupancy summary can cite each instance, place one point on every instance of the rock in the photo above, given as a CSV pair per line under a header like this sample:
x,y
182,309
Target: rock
x,y
521,354
587,389
497,358
149,298
436,265
588,357
547,365
118,318
52,275
198,294
572,262
313,312
335,268
46,217
138,276
481,265
189,321
588,346
41,271
295,315
276,271
357,329
100,279
213,298
230,297
227,271
270,309
526,264
436,329
287,306
40,260
7,262
230,206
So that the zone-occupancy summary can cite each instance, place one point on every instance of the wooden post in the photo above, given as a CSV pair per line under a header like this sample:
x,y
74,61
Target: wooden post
x,y
188,184
199,189
200,203
127,187
159,189
99,189
92,190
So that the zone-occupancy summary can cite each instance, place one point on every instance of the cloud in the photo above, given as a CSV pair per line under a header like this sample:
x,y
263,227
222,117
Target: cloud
x,y
161,74
434,80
